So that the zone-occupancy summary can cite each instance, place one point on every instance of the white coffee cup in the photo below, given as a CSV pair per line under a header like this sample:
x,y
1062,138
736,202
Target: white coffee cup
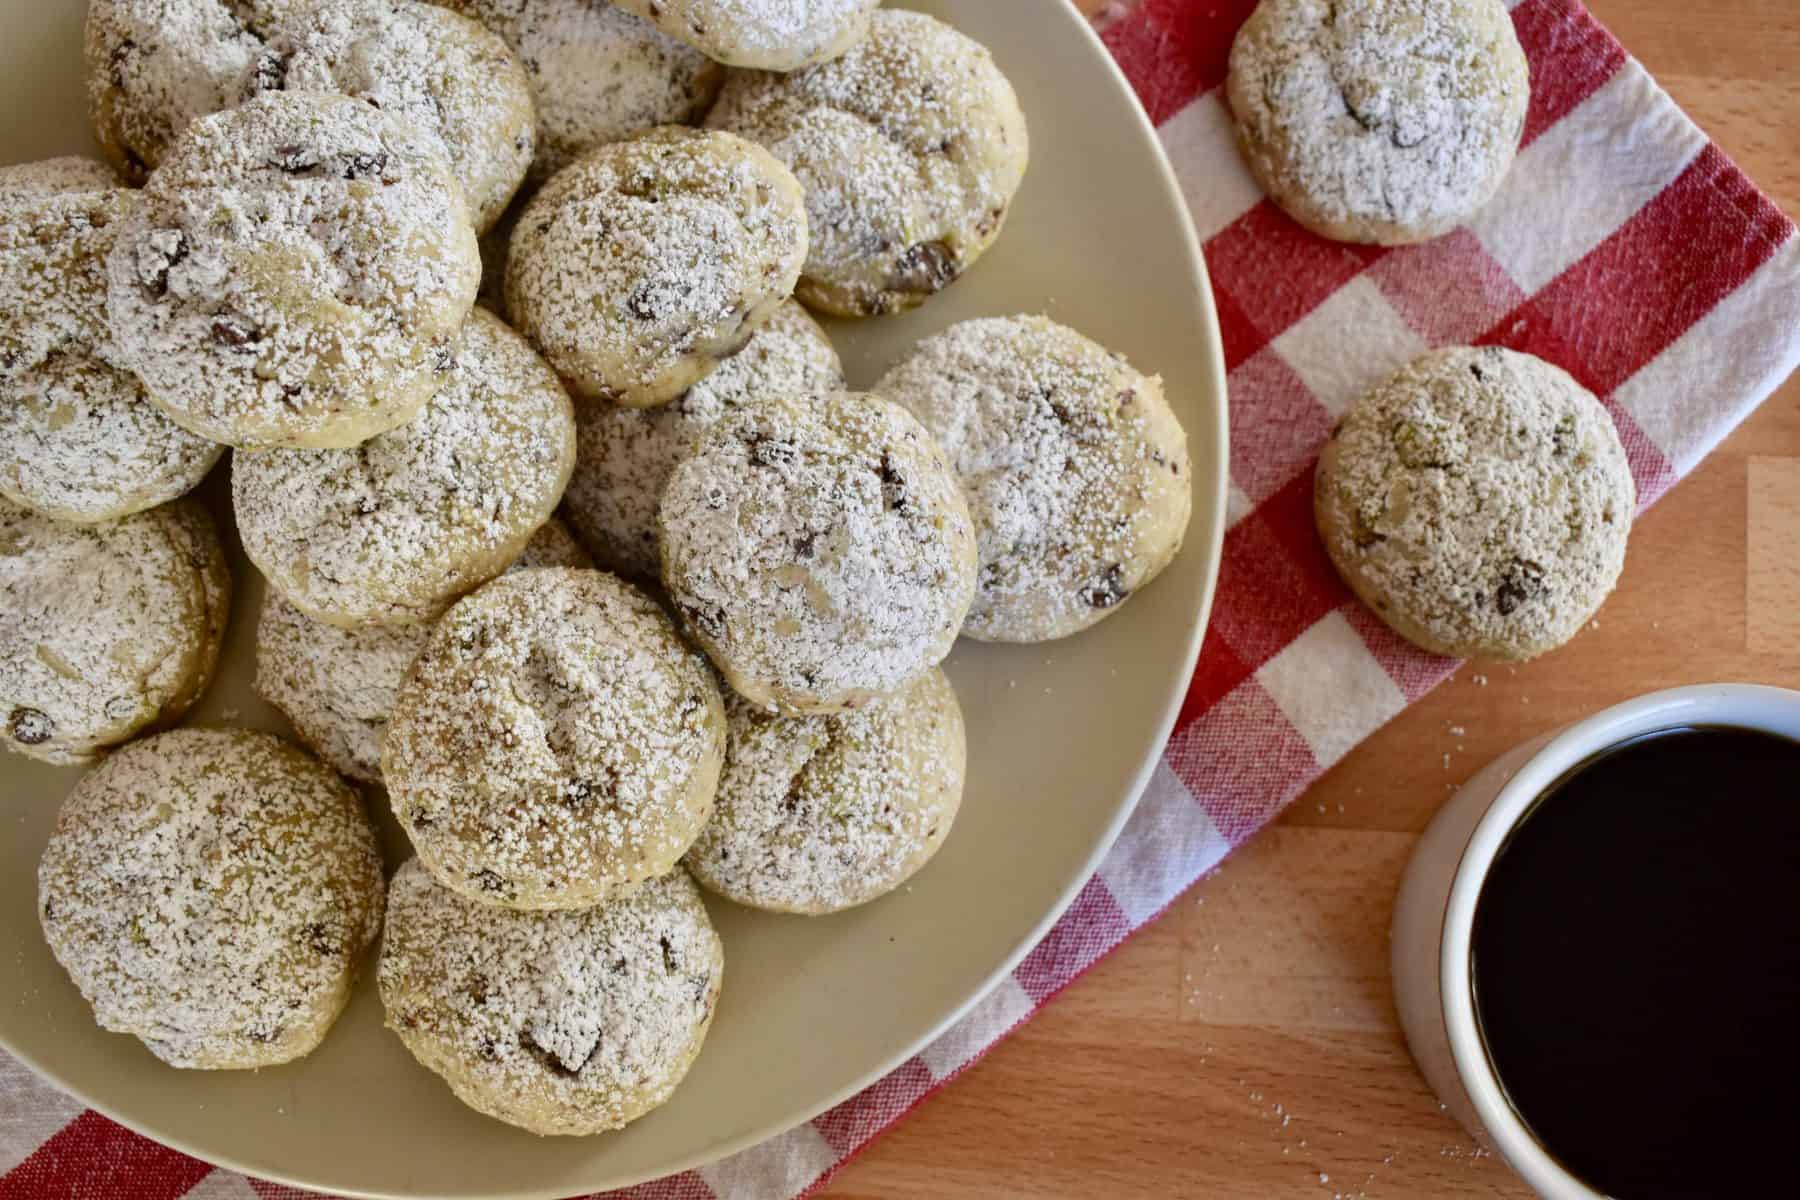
x,y
1434,914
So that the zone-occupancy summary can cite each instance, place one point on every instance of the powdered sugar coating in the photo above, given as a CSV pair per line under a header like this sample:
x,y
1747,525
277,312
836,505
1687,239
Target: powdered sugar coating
x,y
156,65
1386,121
1076,470
819,549
393,531
337,686
817,814
1479,501
638,269
296,274
559,1023
624,455
599,74
212,892
79,442
555,744
910,147
105,630
53,248
67,173
769,35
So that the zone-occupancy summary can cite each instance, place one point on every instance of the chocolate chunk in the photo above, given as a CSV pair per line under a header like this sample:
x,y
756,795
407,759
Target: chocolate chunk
x,y
269,74
668,952
894,491
320,941
768,452
924,268
30,727
1108,590
804,547
294,160
365,165
488,881
709,619
160,253
234,333
1522,582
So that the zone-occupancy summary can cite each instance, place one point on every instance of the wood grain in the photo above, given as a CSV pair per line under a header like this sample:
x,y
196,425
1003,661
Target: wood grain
x,y
1244,1045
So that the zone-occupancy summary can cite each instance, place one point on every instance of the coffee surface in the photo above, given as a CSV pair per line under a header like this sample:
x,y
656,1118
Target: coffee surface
x,y
1636,966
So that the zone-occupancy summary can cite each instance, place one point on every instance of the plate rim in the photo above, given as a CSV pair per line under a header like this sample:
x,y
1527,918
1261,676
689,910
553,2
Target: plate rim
x,y
1210,363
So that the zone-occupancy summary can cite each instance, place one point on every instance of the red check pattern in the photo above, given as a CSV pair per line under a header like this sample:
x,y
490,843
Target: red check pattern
x,y
1624,247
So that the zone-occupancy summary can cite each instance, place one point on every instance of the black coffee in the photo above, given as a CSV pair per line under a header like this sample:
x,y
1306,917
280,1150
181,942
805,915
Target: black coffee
x,y
1637,967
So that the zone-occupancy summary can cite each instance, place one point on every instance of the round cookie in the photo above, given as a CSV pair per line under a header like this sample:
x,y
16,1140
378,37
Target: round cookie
x,y
818,814
641,267
910,148
105,630
1479,501
392,532
819,549
80,441
559,1023
68,173
1379,121
156,65
599,73
767,35
1076,471
623,456
555,744
296,274
337,686
212,892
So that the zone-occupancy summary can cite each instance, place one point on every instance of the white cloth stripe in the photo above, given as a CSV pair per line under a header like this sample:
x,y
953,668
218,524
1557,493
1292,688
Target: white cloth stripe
x,y
32,1114
1353,340
1690,396
1167,844
1334,691
781,1166
998,1011
1550,211
1217,185
222,1185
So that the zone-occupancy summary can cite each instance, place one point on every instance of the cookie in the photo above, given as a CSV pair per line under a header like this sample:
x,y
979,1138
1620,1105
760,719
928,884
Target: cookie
x,y
212,892
1076,470
559,1023
599,74
819,549
154,66
68,173
817,814
1479,501
337,686
53,252
768,35
1379,121
295,275
641,267
555,745
393,531
623,456
105,630
910,148
79,441
79,438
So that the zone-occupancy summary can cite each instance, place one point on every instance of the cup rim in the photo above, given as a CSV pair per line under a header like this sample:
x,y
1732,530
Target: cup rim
x,y
1743,705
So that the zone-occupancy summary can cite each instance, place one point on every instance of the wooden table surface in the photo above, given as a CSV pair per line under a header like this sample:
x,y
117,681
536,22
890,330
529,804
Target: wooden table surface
x,y
1245,1045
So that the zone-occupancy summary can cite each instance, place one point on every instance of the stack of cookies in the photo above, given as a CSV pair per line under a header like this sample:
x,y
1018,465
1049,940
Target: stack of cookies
x,y
745,691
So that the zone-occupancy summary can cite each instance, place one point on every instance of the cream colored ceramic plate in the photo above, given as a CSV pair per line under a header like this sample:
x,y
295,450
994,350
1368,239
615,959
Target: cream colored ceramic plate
x,y
1062,737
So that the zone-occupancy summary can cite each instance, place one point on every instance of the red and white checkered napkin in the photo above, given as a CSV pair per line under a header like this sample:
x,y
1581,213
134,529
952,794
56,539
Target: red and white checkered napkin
x,y
1623,247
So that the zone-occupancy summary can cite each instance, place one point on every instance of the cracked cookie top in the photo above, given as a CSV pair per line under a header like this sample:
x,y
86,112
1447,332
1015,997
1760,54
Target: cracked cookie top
x,y
392,531
561,1022
910,147
556,744
1385,121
